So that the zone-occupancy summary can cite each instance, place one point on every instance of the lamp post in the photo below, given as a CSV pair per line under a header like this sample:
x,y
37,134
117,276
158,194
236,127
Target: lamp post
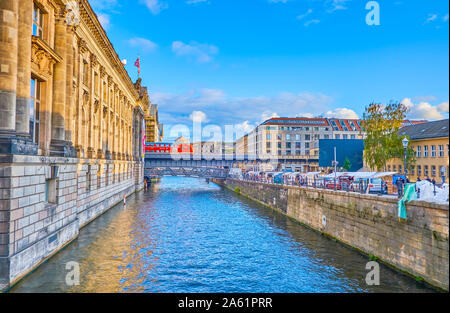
x,y
405,142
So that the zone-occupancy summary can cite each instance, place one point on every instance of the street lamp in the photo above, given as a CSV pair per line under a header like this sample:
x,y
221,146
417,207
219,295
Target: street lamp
x,y
405,142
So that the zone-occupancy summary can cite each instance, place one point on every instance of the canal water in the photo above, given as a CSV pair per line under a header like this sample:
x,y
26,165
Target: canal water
x,y
185,235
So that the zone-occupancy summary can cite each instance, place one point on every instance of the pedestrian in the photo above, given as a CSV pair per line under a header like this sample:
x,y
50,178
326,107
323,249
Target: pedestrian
x,y
433,181
399,183
428,179
418,179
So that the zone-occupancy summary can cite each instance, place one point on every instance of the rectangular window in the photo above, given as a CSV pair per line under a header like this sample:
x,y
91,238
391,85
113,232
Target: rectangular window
x,y
288,137
441,151
400,169
38,21
268,137
413,170
307,145
268,145
85,73
298,145
419,170
337,136
353,137
288,145
96,84
433,151
419,151
297,152
35,106
394,168
326,136
433,170
279,137
425,170
279,145
344,136
425,151
389,168
297,137
316,129
307,137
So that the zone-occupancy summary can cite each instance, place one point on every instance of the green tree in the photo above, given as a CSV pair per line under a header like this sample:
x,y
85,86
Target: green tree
x,y
347,164
382,142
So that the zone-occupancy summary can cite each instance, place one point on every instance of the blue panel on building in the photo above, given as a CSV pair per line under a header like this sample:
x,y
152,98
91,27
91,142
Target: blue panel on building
x,y
351,149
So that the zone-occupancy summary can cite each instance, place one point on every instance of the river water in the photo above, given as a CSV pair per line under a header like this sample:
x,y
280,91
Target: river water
x,y
185,235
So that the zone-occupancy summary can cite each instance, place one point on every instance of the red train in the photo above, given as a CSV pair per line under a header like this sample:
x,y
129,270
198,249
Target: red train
x,y
168,148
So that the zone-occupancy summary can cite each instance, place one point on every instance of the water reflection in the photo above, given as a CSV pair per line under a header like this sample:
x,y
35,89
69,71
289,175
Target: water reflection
x,y
184,235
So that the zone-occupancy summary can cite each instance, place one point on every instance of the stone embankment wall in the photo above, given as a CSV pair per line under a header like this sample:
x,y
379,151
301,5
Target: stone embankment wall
x,y
369,223
36,220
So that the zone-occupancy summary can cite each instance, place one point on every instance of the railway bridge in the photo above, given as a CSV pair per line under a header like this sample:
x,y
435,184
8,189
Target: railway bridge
x,y
191,165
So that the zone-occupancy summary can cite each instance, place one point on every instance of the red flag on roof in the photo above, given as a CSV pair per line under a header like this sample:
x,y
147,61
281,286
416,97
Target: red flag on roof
x,y
138,65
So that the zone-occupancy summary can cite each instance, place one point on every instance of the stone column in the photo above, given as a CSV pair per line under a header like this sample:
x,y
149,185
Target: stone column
x,y
69,58
8,70
58,143
24,67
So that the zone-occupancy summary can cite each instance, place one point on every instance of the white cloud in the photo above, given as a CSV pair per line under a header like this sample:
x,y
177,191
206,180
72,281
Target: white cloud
x,y
431,17
201,53
222,109
425,110
268,115
445,18
245,127
336,5
198,117
302,16
312,22
443,107
143,44
342,113
278,1
104,19
155,6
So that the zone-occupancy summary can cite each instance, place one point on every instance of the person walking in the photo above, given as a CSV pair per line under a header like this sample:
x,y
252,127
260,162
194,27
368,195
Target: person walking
x,y
400,182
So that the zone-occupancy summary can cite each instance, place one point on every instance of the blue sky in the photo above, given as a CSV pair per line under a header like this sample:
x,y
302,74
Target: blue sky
x,y
241,61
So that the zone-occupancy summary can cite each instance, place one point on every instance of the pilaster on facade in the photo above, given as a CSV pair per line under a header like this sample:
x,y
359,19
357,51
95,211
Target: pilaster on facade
x,y
79,150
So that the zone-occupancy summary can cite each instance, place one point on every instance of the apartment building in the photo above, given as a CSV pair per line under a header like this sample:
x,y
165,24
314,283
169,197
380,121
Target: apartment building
x,y
295,141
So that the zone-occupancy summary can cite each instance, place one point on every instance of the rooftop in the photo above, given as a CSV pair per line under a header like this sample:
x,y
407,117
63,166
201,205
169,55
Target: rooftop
x,y
436,129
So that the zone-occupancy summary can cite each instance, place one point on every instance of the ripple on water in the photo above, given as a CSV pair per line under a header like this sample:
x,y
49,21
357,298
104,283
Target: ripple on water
x,y
184,235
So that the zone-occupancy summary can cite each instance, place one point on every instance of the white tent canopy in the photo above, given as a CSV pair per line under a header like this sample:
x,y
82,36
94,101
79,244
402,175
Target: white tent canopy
x,y
361,175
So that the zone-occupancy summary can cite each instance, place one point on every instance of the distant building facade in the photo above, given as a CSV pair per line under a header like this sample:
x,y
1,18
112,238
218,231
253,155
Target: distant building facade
x,y
430,141
154,131
294,142
71,129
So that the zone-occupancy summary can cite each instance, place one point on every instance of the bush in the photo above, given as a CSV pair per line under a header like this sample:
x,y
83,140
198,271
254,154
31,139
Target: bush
x,y
237,190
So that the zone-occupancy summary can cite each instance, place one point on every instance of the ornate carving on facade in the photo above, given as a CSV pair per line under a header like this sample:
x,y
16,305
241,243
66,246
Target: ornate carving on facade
x,y
85,96
43,57
82,46
96,105
102,71
110,81
94,60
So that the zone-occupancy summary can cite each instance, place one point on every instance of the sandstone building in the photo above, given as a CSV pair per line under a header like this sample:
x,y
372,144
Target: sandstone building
x,y
431,146
71,129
